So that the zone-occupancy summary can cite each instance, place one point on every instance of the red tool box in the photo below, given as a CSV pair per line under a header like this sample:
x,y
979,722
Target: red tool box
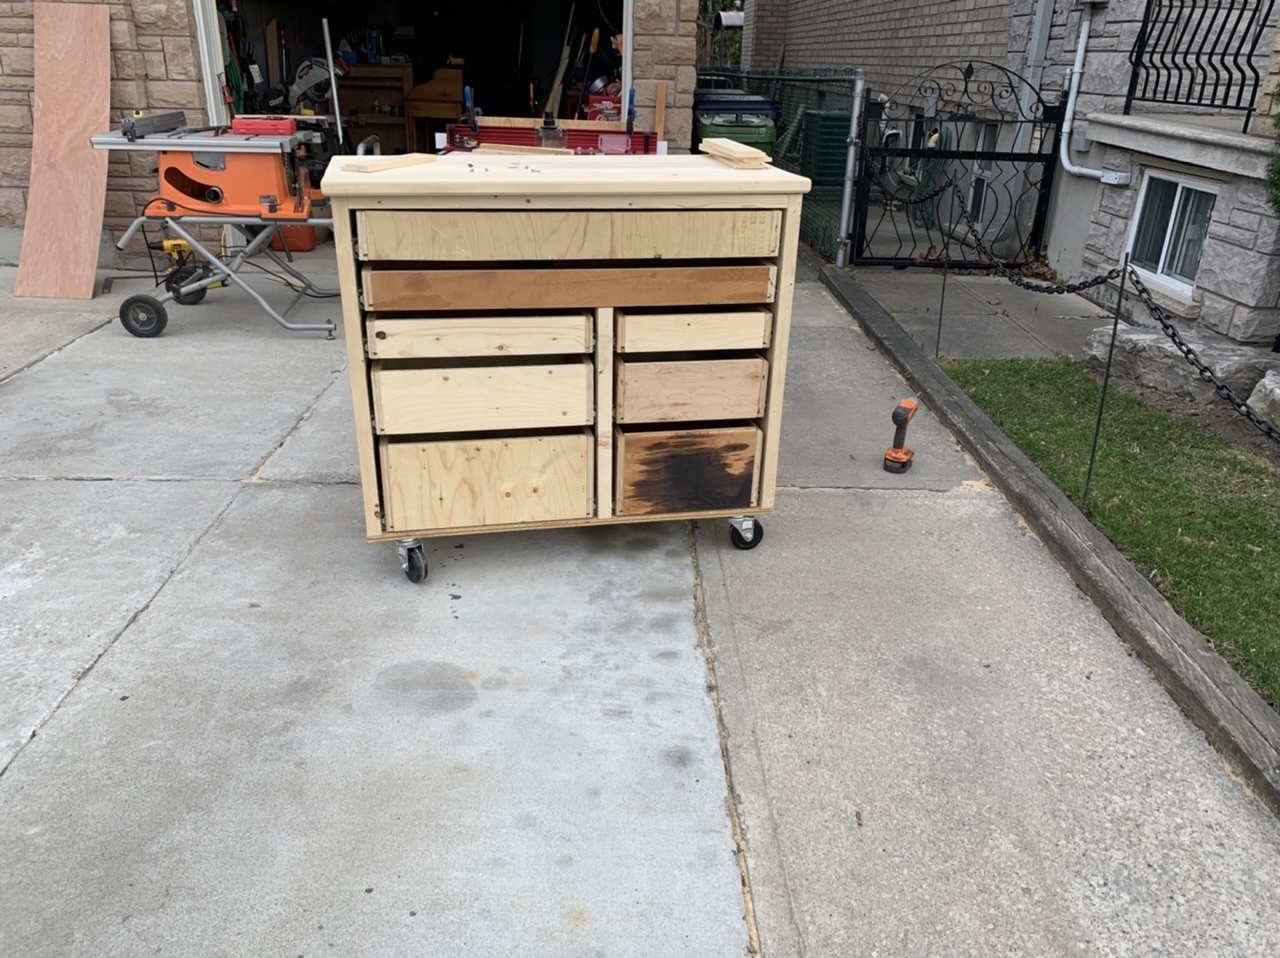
x,y
260,125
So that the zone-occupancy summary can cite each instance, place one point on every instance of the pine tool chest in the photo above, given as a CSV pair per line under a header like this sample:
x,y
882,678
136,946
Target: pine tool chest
x,y
558,340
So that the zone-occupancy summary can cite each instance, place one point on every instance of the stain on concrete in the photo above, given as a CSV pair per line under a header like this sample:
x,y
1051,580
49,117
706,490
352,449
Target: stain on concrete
x,y
493,683
677,756
666,655
432,688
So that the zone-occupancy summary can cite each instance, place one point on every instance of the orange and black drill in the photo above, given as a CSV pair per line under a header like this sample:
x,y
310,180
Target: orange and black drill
x,y
899,457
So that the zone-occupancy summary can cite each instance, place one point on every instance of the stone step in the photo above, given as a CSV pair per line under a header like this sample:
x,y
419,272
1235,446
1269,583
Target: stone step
x,y
1150,357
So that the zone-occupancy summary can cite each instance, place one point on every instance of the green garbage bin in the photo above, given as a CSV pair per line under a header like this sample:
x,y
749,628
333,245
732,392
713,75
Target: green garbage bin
x,y
757,131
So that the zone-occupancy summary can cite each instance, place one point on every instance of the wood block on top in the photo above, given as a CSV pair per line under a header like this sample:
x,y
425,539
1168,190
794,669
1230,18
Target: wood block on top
x,y
690,470
404,290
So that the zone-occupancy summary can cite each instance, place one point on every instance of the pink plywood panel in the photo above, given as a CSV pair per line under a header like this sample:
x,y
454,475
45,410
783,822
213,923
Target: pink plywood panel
x,y
68,185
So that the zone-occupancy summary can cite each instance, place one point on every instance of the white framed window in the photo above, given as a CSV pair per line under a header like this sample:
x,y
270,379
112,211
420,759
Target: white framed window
x,y
1167,236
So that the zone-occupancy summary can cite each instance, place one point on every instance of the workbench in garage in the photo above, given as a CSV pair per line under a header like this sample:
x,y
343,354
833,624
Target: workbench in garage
x,y
541,341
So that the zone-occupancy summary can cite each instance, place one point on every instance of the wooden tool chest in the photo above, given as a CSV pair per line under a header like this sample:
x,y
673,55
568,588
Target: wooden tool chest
x,y
544,341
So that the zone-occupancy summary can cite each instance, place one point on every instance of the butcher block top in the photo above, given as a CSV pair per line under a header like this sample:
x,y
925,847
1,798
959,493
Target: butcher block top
x,y
495,174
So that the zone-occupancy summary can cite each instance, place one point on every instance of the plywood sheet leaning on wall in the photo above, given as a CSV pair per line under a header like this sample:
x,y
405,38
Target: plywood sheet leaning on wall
x,y
68,184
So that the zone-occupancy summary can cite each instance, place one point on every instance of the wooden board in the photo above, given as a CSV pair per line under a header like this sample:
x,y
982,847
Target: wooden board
x,y
675,332
67,190
484,482
532,123
604,413
392,162
689,470
476,398
392,290
735,154
612,181
515,150
777,354
690,391
479,336
457,236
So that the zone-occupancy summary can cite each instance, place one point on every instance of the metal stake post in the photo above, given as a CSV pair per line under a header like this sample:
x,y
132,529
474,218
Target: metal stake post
x,y
1106,381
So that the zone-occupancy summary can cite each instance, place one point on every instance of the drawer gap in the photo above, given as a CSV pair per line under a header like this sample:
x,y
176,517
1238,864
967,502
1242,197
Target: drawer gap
x,y
477,362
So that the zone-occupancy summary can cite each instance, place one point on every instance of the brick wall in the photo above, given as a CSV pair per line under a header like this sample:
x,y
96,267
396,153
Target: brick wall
x,y
763,33
154,65
893,40
666,47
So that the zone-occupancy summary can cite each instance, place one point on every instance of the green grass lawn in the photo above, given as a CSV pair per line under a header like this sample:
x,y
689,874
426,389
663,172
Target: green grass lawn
x,y
1196,515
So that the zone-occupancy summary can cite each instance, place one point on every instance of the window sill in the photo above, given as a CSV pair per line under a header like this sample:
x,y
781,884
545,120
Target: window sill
x,y
1216,150
1177,305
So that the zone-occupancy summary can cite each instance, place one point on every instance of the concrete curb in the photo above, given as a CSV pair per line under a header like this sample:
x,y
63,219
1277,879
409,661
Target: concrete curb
x,y
1232,716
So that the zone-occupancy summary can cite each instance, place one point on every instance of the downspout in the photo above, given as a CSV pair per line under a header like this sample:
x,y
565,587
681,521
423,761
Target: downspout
x,y
209,43
1108,177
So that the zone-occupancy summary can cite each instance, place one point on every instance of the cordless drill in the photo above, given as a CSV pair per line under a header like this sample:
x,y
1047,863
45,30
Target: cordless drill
x,y
899,457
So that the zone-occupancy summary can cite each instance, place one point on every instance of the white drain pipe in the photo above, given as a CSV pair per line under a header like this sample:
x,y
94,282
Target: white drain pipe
x,y
1108,177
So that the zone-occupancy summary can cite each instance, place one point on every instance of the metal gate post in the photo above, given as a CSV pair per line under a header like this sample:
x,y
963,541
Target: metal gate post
x,y
850,165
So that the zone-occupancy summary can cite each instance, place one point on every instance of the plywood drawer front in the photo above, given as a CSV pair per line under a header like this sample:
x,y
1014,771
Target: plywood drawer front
x,y
418,290
693,470
688,391
476,398
457,235
479,336
674,332
486,482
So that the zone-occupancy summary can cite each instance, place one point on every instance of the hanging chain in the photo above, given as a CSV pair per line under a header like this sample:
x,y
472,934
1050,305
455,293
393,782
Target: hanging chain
x,y
1188,352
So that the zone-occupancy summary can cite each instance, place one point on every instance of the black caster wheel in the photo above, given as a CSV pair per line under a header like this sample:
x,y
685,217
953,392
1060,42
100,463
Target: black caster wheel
x,y
143,316
414,564
757,536
179,278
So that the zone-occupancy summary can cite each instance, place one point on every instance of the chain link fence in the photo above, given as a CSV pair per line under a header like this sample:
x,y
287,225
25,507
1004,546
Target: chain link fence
x,y
812,137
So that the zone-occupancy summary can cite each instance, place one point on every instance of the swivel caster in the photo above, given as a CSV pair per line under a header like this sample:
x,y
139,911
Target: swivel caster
x,y
412,559
745,532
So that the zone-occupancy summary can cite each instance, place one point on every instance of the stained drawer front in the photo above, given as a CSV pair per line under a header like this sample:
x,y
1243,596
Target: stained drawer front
x,y
458,235
479,336
475,398
416,290
689,391
673,332
692,470
485,482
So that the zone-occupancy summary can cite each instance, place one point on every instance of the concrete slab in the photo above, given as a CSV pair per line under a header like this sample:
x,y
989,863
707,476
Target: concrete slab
x,y
941,748
970,336
207,401
836,422
294,751
813,305
34,328
78,560
323,447
917,292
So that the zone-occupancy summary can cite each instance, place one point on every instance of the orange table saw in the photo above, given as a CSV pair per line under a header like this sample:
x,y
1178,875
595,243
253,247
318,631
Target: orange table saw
x,y
255,175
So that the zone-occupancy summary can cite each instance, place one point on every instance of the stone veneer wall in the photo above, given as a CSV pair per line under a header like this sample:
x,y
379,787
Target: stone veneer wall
x,y
1237,290
154,66
666,49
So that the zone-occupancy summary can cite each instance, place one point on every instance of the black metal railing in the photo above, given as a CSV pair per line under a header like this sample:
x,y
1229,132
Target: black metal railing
x,y
1200,53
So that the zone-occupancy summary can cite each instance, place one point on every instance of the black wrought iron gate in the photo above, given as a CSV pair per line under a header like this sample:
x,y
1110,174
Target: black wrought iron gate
x,y
962,156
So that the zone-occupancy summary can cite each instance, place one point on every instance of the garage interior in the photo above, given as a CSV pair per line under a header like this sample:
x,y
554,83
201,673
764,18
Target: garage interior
x,y
509,52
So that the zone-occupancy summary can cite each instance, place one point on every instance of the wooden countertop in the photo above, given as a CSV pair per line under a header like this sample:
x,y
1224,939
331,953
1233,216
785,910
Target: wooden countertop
x,y
596,175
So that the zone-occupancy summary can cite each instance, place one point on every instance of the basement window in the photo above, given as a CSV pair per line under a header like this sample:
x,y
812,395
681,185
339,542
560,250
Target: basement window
x,y
1169,231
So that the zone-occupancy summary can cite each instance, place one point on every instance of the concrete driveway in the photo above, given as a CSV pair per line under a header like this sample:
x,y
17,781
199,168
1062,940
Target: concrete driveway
x,y
229,726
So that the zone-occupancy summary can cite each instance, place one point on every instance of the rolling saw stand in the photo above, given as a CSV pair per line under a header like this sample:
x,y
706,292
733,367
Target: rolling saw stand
x,y
253,176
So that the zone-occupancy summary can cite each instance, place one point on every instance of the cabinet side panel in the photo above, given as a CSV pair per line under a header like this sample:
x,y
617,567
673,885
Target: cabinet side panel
x,y
777,353
353,332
